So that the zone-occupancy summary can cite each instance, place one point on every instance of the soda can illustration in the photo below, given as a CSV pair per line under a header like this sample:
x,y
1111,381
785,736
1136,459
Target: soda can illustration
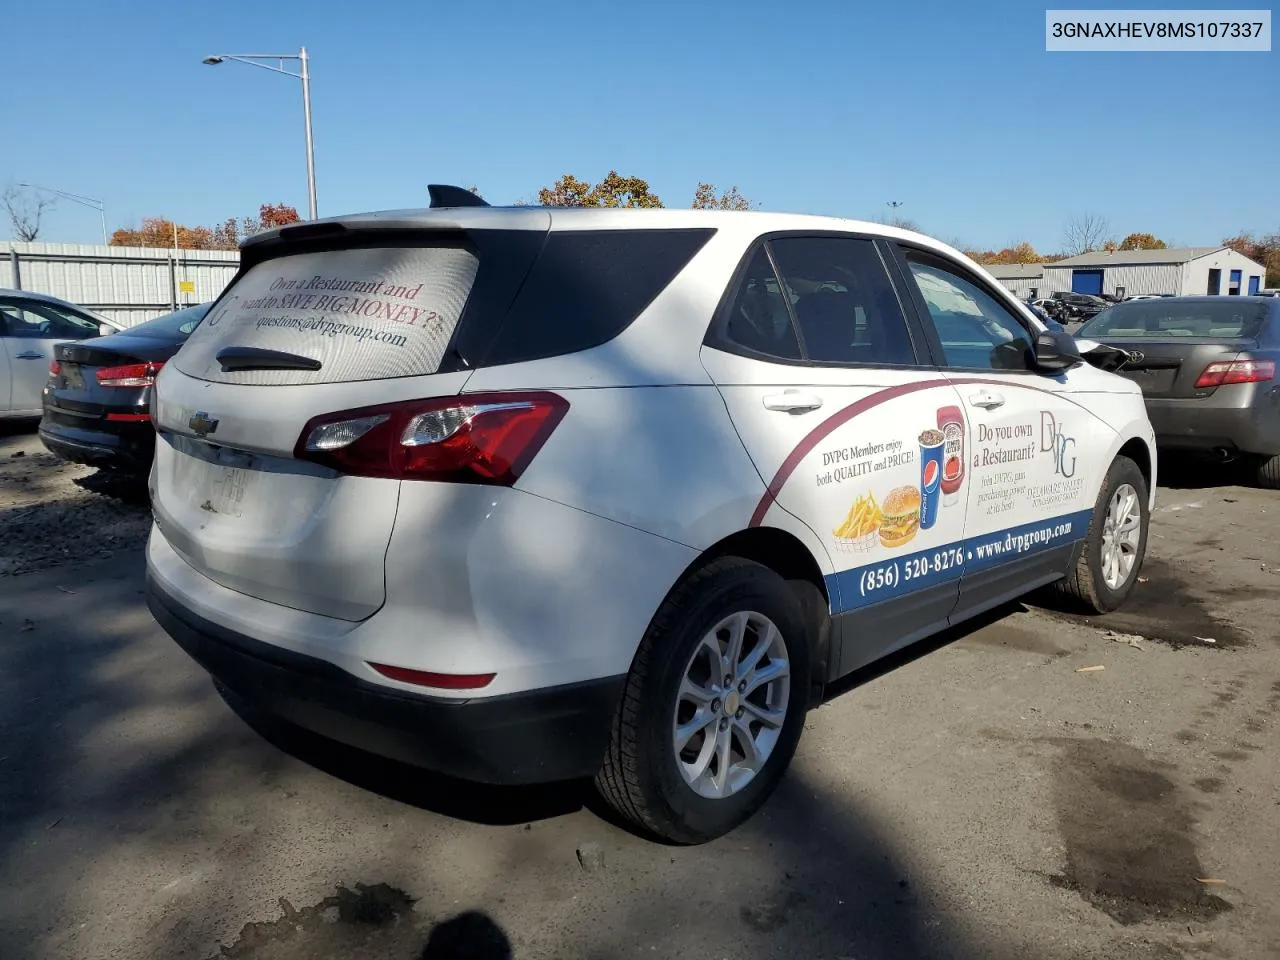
x,y
932,443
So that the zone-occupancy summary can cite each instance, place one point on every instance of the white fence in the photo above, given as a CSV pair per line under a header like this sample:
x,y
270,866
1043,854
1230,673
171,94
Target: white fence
x,y
125,284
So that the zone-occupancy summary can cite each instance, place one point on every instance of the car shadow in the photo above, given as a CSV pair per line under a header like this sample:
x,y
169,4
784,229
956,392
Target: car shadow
x,y
921,648
507,806
458,799
1180,470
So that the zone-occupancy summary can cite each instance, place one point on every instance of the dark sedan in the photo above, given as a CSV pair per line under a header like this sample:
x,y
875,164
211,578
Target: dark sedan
x,y
1207,368
97,400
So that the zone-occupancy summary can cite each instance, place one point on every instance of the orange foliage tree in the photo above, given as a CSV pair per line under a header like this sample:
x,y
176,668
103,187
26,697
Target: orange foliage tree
x,y
160,232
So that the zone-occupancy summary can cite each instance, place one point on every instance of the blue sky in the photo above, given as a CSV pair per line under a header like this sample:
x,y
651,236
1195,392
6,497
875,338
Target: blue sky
x,y
955,110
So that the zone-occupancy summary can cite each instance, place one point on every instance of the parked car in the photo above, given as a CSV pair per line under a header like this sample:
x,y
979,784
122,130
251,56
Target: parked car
x,y
1079,306
97,400
1207,369
531,494
30,325
1043,315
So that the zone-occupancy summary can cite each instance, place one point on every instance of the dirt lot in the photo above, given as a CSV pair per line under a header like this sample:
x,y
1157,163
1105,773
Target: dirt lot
x,y
984,800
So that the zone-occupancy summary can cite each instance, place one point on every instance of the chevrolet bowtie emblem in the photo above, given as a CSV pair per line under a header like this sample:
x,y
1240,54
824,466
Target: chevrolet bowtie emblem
x,y
202,424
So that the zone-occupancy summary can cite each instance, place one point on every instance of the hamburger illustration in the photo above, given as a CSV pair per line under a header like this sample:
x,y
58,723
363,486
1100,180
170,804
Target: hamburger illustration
x,y
901,516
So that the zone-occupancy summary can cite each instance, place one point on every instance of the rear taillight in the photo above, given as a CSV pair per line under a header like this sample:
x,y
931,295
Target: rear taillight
x,y
55,368
129,375
1223,372
480,438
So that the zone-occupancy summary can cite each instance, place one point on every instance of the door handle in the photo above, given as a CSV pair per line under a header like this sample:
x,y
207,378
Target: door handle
x,y
28,355
792,401
986,400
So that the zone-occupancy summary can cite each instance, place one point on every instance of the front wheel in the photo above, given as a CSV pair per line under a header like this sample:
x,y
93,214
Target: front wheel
x,y
1113,550
713,707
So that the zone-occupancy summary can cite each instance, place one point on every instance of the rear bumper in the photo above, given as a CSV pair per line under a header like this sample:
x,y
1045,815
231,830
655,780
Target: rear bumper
x,y
1204,425
128,447
557,733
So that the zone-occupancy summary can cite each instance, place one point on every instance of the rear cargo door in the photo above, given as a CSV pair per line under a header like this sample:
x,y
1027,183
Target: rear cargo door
x,y
310,331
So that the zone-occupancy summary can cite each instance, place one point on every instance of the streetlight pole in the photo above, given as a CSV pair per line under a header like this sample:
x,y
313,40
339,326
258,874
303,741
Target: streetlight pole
x,y
76,198
304,74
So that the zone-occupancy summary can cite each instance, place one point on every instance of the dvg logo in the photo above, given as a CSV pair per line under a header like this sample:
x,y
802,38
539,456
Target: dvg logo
x,y
1058,445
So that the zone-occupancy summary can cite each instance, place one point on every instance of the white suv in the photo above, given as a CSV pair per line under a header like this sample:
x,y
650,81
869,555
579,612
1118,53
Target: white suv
x,y
532,494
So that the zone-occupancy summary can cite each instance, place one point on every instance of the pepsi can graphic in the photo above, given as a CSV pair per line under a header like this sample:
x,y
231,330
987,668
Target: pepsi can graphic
x,y
932,443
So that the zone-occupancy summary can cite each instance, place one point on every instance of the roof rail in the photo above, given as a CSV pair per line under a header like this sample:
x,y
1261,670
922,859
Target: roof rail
x,y
444,195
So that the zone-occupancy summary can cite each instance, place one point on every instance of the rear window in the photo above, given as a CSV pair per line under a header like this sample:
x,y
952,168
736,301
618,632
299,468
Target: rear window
x,y
1207,319
365,314
171,325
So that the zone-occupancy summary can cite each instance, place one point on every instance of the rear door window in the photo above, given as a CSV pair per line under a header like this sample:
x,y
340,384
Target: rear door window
x,y
843,302
759,318
365,314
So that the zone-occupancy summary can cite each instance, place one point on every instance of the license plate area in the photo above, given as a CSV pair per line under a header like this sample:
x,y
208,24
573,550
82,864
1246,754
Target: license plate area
x,y
1154,380
224,491
73,375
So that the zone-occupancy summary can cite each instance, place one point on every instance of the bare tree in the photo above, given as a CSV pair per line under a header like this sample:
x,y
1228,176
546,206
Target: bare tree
x,y
25,209
1084,233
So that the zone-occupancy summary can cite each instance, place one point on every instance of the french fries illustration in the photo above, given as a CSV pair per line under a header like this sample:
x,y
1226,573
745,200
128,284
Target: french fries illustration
x,y
863,520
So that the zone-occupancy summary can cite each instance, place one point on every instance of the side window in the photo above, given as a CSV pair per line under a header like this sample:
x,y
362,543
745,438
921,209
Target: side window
x,y
58,322
843,302
20,322
976,331
758,316
31,320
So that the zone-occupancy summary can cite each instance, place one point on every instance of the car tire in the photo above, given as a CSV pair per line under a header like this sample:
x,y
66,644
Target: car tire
x,y
1268,472
643,777
1087,584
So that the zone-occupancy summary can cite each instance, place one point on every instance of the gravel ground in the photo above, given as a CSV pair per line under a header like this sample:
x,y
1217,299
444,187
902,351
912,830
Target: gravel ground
x,y
982,797
53,512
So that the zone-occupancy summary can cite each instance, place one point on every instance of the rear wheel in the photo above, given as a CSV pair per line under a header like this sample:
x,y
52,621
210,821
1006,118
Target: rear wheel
x,y
713,707
1268,472
1108,566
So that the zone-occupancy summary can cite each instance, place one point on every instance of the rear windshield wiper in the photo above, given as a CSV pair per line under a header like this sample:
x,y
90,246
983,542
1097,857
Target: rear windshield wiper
x,y
256,358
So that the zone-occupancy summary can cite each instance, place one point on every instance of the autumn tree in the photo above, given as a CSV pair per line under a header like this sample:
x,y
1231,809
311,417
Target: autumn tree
x,y
705,198
1084,233
1141,241
614,190
25,209
1022,252
162,232
1264,250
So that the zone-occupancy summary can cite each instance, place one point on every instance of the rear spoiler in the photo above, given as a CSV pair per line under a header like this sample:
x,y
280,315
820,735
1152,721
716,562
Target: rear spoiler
x,y
444,195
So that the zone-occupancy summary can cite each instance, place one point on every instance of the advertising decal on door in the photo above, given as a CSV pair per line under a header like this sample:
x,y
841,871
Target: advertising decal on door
x,y
915,496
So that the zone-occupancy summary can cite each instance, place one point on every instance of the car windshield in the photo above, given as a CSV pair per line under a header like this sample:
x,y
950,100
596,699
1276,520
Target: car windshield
x,y
171,325
1147,319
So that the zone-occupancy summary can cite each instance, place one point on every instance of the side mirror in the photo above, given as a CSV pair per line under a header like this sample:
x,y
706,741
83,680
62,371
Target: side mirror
x,y
105,331
1056,350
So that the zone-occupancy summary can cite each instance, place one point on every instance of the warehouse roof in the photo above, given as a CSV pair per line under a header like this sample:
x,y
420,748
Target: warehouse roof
x,y
1135,258
1015,271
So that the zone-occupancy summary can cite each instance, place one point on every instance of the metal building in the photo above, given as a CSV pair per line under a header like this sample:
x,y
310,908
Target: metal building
x,y
125,284
1025,280
1176,271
